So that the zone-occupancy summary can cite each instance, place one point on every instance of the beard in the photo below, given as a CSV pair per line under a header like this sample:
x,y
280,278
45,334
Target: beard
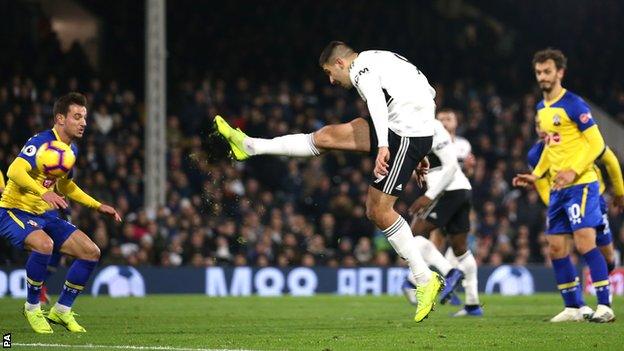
x,y
546,86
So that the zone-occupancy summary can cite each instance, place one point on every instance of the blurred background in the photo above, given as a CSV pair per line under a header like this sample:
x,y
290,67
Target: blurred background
x,y
256,64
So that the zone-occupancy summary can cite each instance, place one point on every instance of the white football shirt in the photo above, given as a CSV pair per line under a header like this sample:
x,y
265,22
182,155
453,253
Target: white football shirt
x,y
398,95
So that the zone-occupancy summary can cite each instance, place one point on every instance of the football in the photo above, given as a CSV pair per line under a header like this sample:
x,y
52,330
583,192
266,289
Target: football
x,y
55,158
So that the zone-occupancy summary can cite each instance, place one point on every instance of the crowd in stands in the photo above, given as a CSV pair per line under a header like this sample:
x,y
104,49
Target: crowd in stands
x,y
271,210
274,210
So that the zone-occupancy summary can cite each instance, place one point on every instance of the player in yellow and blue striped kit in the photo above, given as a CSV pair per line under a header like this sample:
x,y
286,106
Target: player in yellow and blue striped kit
x,y
27,221
604,238
573,142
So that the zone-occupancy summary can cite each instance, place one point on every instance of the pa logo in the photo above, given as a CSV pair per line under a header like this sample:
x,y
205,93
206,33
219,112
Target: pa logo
x,y
6,341
119,281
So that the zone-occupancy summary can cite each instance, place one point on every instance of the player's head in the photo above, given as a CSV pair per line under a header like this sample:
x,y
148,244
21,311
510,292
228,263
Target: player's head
x,y
70,114
448,118
335,61
549,66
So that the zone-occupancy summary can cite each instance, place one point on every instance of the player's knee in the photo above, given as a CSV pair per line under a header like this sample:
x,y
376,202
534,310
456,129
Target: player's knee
x,y
323,138
373,214
91,253
44,246
584,246
556,251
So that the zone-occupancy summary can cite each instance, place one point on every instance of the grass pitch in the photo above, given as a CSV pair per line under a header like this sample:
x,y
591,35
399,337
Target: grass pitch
x,y
326,322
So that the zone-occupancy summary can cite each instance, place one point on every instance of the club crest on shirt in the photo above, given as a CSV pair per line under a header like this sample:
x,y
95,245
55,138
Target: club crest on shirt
x,y
557,120
585,117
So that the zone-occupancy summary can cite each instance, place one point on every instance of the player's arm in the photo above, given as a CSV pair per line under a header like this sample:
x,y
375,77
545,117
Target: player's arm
x,y
73,191
539,171
596,145
448,159
542,166
613,170
542,186
370,86
18,173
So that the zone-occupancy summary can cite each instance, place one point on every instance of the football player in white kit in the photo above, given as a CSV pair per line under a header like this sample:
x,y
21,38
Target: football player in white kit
x,y
398,133
446,205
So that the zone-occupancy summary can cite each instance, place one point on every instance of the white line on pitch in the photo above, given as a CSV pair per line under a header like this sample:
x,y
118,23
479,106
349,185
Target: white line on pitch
x,y
122,347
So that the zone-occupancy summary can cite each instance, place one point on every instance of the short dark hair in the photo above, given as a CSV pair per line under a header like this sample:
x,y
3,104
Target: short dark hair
x,y
446,110
62,104
332,49
561,62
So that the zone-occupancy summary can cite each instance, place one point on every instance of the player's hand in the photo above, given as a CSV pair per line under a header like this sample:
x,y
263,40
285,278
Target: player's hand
x,y
420,204
110,211
421,171
564,177
618,202
381,163
54,200
523,180
469,164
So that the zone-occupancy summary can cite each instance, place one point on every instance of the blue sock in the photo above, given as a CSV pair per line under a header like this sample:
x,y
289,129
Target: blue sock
x,y
599,274
35,273
579,294
77,277
53,264
567,283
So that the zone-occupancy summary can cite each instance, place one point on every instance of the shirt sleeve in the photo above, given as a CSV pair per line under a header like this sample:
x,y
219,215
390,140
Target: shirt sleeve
x,y
542,186
543,165
73,191
534,154
614,171
369,85
448,159
29,150
580,113
589,156
18,173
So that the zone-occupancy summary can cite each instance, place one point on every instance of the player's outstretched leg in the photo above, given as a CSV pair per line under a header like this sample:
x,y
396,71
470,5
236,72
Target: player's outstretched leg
x,y
234,137
40,245
87,255
243,147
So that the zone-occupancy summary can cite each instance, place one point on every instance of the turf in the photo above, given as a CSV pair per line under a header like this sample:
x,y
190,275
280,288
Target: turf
x,y
323,322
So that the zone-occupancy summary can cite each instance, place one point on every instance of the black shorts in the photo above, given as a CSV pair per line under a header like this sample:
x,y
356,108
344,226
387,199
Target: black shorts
x,y
451,212
405,154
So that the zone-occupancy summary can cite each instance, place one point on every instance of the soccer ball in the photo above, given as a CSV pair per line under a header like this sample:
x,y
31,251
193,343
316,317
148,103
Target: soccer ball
x,y
55,158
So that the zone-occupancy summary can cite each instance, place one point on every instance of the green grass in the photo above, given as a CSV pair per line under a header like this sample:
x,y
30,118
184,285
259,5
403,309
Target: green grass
x,y
323,322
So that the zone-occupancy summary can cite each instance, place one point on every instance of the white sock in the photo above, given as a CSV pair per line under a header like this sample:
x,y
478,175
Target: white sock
x,y
468,265
431,255
62,308
400,237
300,145
31,307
